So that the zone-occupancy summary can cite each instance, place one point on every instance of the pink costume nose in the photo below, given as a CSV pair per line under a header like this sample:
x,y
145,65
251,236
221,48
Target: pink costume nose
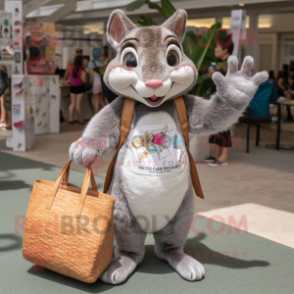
x,y
153,83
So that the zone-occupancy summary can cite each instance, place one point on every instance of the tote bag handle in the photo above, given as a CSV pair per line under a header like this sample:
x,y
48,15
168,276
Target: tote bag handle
x,y
65,172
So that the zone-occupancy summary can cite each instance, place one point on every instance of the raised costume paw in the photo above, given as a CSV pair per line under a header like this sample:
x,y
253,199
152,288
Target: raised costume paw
x,y
83,151
239,86
119,270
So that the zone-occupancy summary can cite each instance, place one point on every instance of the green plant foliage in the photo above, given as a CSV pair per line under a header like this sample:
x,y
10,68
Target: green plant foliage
x,y
168,8
146,20
203,86
200,49
152,5
222,66
135,5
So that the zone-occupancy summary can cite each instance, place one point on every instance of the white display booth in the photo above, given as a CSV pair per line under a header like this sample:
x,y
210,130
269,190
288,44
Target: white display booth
x,y
35,109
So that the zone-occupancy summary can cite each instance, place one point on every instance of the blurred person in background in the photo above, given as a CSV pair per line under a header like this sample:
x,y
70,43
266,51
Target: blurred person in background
x,y
283,85
271,75
88,77
7,106
5,100
292,84
221,141
70,62
284,90
272,80
94,65
108,95
3,112
77,76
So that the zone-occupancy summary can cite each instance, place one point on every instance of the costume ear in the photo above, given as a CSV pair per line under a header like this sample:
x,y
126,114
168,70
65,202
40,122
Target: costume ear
x,y
117,28
177,24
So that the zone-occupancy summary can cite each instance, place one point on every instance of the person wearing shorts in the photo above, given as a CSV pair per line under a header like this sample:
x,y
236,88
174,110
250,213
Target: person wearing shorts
x,y
89,93
7,105
96,78
77,76
70,62
221,141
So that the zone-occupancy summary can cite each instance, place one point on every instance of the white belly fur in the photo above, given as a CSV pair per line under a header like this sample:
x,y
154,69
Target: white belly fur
x,y
154,199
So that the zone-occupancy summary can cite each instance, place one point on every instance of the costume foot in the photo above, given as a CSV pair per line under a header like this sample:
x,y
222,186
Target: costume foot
x,y
188,268
118,271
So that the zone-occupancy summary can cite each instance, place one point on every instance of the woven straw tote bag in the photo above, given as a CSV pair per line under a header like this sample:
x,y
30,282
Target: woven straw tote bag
x,y
69,230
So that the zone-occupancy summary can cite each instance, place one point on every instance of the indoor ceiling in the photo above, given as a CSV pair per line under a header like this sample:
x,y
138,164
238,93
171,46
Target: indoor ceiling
x,y
85,12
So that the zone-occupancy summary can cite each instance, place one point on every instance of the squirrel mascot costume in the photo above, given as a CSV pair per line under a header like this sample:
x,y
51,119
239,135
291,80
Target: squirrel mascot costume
x,y
153,175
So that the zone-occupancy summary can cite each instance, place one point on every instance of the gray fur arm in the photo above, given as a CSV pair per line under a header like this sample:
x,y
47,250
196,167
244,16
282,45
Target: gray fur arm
x,y
234,92
100,135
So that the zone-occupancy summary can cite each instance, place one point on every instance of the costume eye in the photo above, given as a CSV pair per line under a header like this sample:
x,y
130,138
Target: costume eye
x,y
172,58
129,57
130,60
173,55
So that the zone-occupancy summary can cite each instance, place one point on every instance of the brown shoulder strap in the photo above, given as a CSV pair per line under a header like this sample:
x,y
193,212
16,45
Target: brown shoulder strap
x,y
125,123
181,109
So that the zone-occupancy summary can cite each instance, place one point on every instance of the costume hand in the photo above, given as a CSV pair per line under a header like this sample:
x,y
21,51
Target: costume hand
x,y
239,86
83,151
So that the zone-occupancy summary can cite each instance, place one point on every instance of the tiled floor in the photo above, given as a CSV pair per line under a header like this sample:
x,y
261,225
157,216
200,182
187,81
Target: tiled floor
x,y
256,190
53,148
262,195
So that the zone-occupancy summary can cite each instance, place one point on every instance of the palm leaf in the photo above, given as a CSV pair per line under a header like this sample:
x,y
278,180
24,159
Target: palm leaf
x,y
168,8
152,5
146,20
203,86
135,5
189,43
201,51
